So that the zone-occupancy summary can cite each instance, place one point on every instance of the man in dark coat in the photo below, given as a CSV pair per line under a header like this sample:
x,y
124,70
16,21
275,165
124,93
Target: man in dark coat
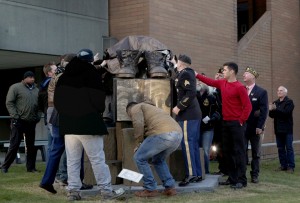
x,y
282,112
80,101
256,120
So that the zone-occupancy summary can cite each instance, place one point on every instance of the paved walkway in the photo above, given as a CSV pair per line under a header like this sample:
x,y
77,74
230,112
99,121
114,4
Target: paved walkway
x,y
209,184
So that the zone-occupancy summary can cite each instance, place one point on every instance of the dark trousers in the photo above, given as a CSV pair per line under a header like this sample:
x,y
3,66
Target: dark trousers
x,y
235,151
285,150
255,141
190,147
218,141
16,135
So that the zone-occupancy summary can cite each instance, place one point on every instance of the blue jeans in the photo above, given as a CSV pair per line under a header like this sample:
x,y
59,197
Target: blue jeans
x,y
285,150
62,173
157,147
207,137
55,152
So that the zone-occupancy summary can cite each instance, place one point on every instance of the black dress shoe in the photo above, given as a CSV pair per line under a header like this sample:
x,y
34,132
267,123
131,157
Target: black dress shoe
x,y
218,173
4,170
184,182
49,188
254,180
238,186
196,179
227,182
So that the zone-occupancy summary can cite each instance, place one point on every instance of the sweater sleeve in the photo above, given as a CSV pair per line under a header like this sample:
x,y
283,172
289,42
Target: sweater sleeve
x,y
209,81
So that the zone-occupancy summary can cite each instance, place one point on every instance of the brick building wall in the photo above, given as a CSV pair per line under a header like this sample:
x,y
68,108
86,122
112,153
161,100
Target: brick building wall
x,y
128,17
286,53
207,31
254,50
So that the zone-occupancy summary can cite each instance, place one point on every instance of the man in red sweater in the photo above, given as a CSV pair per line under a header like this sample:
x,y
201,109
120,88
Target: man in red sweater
x,y
236,108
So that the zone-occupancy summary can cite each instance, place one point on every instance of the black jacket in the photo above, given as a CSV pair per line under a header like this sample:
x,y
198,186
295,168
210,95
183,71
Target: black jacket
x,y
80,100
209,107
283,116
259,101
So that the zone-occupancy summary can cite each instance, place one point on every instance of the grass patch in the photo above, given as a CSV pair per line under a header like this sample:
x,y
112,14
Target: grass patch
x,y
19,186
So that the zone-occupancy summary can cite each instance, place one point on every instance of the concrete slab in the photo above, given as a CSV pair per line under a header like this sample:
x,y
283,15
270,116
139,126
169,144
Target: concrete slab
x,y
210,183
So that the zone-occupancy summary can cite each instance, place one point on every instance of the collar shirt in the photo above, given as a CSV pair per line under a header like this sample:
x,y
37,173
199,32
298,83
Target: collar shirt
x,y
249,88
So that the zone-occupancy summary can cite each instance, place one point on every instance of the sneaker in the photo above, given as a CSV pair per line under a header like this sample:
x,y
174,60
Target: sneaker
x,y
147,193
72,196
49,188
114,194
86,187
169,192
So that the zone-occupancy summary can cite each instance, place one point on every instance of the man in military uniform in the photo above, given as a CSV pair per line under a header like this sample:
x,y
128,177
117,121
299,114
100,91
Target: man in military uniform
x,y
188,115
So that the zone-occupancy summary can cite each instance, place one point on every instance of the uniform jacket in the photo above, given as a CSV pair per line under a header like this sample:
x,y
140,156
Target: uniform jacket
x,y
80,100
149,120
185,84
22,102
257,118
283,115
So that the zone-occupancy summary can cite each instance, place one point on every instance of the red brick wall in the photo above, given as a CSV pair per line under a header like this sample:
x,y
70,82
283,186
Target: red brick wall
x,y
205,30
254,50
128,17
286,53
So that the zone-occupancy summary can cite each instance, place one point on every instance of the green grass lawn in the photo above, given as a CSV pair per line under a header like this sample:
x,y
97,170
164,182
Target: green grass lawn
x,y
20,186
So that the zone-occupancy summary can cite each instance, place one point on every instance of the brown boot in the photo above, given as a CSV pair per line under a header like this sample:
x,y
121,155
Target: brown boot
x,y
169,192
147,193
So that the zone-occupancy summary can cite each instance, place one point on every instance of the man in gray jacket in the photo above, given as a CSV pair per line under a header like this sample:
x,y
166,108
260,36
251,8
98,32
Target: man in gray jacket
x,y
22,105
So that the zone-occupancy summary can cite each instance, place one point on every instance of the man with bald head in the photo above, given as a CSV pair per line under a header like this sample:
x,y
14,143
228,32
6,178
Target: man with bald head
x,y
281,111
